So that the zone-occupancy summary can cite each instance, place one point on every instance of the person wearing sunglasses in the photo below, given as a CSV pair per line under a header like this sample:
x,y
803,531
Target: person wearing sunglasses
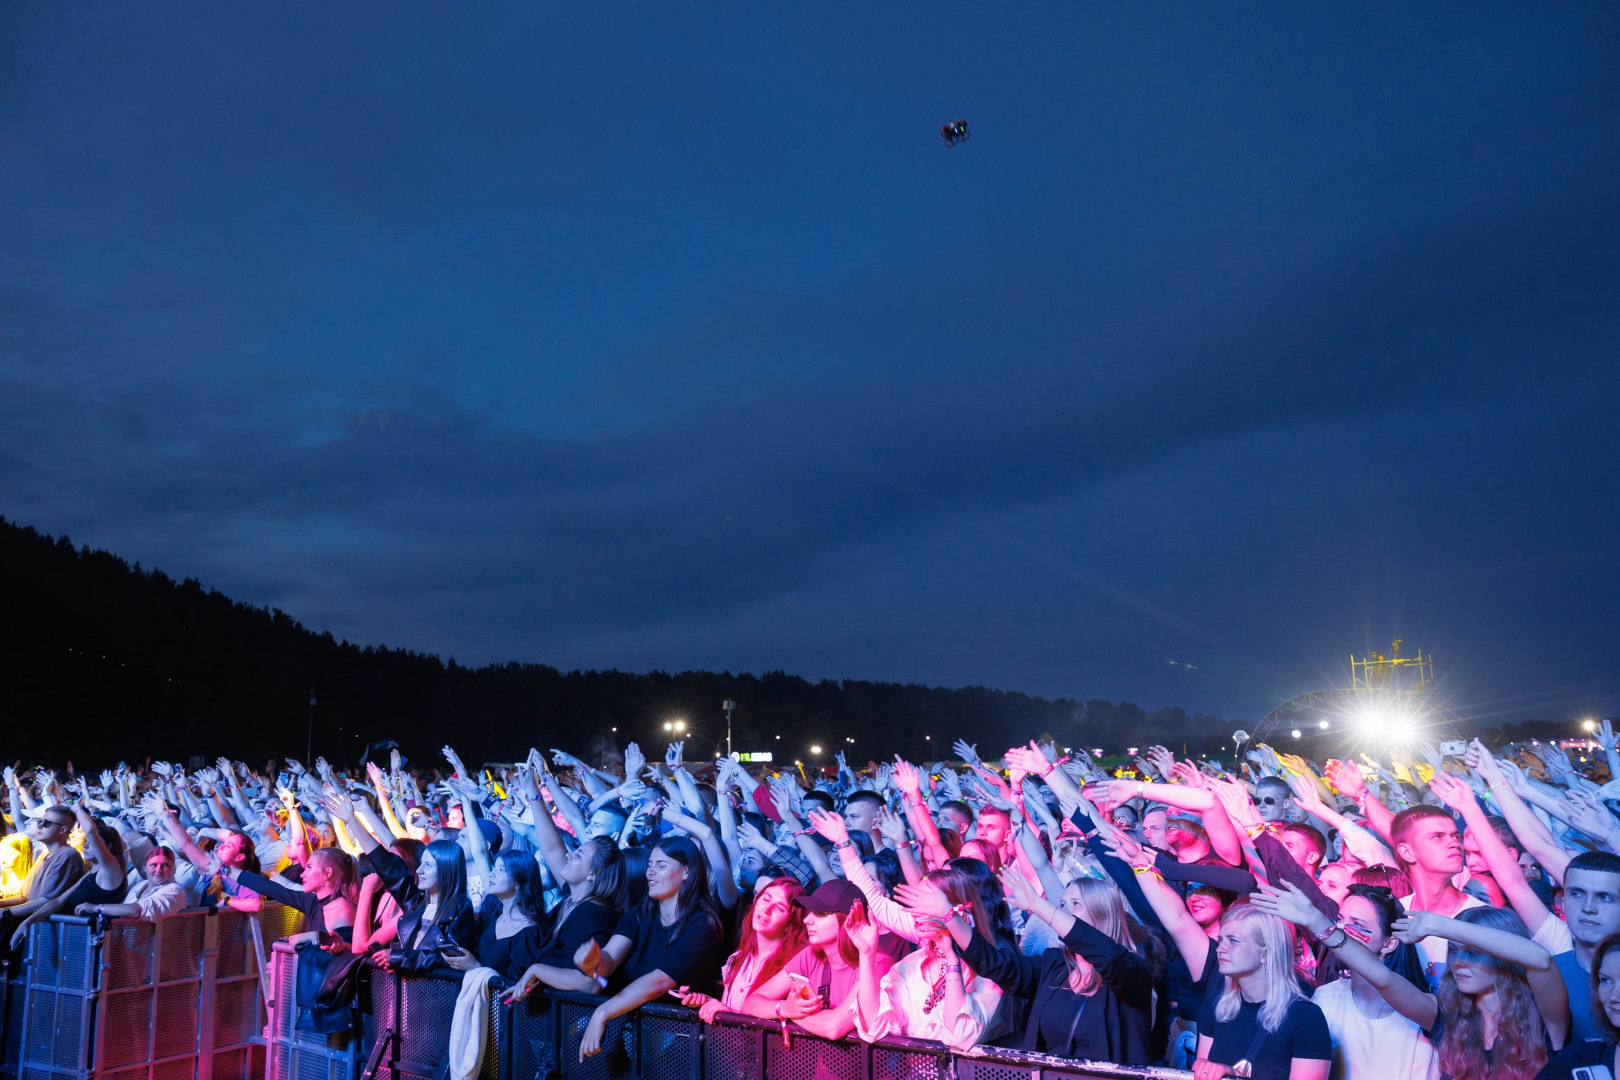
x,y
1274,799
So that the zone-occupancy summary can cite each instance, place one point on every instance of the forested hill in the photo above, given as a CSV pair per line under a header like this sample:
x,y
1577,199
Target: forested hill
x,y
102,661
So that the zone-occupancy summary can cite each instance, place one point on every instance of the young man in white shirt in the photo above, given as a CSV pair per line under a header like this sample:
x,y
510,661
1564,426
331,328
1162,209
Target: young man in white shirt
x,y
1431,853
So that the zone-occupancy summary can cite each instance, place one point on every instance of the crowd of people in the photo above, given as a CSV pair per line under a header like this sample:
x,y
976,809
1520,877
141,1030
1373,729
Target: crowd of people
x,y
1422,916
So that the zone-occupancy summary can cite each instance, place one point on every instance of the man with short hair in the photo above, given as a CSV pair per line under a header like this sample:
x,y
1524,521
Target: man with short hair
x,y
1274,799
1431,854
860,815
995,834
1305,843
956,814
1155,821
51,876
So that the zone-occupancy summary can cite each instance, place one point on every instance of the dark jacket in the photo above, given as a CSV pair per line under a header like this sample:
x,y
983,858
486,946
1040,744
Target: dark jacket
x,y
1117,1018
455,925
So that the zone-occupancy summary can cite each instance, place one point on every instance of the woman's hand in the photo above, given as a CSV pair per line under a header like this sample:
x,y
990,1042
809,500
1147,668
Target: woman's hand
x,y
1455,793
1027,759
588,956
906,778
862,932
384,959
1239,807
1289,904
1017,888
968,752
672,756
1107,794
590,1043
829,825
709,1010
1415,927
524,986
924,898
1204,1069
634,761
461,960
892,826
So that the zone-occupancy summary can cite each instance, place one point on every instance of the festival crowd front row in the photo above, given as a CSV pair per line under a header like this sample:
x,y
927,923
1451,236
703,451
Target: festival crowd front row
x,y
1419,918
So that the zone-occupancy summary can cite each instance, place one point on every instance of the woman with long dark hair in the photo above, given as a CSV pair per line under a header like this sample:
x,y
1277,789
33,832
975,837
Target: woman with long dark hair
x,y
1371,1037
772,934
435,911
673,938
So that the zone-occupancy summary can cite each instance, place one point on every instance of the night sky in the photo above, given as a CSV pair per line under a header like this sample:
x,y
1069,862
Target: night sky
x,y
673,336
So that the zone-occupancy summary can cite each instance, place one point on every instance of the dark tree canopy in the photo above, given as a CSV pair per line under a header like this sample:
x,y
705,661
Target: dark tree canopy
x,y
105,661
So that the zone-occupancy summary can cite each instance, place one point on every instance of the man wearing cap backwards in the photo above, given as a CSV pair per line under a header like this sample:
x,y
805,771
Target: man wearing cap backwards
x,y
53,875
816,989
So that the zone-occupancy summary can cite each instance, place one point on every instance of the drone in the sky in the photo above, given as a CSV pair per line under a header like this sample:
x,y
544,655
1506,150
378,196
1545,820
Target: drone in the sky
x,y
956,132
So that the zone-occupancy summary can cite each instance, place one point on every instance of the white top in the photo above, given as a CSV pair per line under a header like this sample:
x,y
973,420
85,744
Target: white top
x,y
156,901
1388,1048
903,993
1434,948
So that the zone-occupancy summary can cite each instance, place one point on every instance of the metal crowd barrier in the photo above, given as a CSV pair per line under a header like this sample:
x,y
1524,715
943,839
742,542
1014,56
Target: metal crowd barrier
x,y
178,999
406,1030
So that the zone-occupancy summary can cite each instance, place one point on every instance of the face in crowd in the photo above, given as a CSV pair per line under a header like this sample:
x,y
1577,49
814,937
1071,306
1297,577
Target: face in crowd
x,y
1274,801
159,867
665,875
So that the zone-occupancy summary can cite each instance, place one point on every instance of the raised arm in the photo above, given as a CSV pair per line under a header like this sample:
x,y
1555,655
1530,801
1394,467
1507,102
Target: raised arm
x,y
1165,902
1520,818
1504,867
1546,981
1346,778
907,779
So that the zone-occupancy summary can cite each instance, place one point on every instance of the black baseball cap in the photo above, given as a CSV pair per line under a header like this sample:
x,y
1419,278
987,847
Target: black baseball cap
x,y
833,898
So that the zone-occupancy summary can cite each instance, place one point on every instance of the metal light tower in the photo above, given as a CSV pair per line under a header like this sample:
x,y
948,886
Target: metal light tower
x,y
728,705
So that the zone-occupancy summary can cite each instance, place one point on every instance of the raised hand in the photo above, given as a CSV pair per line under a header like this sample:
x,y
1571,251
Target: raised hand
x,y
843,766
906,778
1415,927
323,770
634,760
968,752
924,898
163,768
632,790
293,766
454,760
1306,793
1026,759
748,836
891,825
863,932
1453,792
672,756
1586,813
1346,778
1287,902
1606,737
1239,807
394,760
1124,846
829,825
880,779
1107,794
1190,774
951,783
1431,754
1163,761
1017,888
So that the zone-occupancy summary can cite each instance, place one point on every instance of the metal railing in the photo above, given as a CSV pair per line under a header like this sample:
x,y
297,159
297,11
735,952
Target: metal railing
x,y
406,1030
181,999
178,999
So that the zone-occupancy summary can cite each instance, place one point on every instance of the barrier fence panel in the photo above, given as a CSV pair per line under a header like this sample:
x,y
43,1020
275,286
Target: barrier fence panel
x,y
294,1050
414,1013
178,999
13,994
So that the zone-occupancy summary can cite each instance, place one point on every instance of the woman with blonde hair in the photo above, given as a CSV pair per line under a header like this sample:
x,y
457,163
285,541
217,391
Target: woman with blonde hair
x,y
1260,1023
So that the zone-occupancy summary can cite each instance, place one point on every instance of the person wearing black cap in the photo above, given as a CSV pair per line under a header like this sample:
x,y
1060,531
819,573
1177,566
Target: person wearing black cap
x,y
816,988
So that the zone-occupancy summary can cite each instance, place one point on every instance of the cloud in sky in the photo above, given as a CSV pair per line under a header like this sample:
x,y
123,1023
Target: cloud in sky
x,y
652,339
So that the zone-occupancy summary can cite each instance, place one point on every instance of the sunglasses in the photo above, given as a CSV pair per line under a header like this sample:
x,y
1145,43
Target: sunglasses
x,y
1269,800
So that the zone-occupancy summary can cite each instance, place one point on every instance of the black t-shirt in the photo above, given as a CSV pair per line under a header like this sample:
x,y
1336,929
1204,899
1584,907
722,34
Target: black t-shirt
x,y
1189,992
691,953
1302,1034
1581,1055
558,944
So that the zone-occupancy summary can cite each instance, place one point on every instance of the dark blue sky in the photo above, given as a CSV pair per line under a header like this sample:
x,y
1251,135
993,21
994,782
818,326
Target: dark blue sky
x,y
672,336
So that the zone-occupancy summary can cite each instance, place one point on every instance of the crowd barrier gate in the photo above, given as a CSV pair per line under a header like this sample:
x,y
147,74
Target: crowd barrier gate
x,y
178,999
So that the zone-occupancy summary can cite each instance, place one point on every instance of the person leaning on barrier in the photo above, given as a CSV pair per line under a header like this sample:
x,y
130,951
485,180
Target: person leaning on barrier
x,y
151,898
816,988
435,912
1093,996
673,938
327,899
51,876
105,883
772,934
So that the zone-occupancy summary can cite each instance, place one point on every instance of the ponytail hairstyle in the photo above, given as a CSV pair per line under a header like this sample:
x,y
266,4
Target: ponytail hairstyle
x,y
1520,1049
991,896
345,880
611,888
1276,940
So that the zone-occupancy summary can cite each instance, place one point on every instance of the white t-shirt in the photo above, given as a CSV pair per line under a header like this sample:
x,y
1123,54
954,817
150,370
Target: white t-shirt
x,y
1434,948
1388,1048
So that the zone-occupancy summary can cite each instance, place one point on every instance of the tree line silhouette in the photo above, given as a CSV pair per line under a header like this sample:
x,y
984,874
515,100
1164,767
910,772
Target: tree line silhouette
x,y
101,661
